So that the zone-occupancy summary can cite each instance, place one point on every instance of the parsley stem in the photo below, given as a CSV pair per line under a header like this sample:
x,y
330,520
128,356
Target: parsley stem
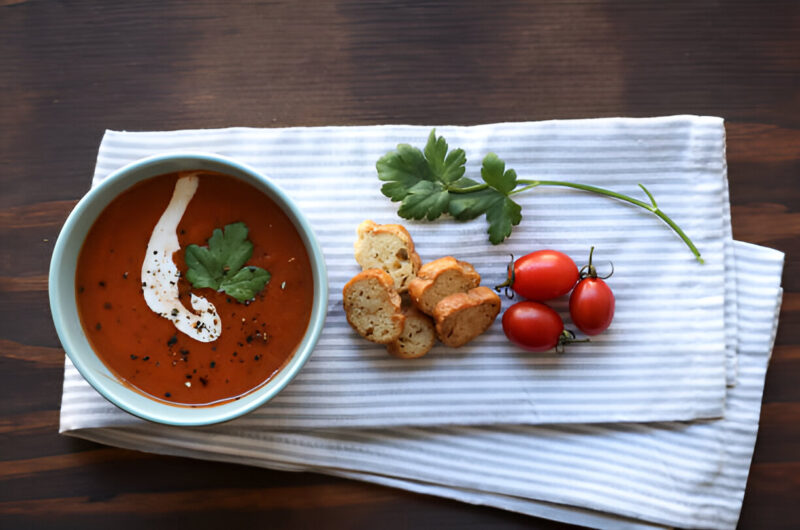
x,y
653,207
470,189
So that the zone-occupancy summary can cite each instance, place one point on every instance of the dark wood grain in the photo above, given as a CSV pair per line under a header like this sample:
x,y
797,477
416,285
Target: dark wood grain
x,y
70,70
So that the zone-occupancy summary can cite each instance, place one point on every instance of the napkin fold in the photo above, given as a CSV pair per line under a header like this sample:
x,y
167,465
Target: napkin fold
x,y
665,356
560,437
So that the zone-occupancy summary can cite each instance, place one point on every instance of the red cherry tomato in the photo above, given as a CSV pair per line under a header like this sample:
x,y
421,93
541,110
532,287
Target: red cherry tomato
x,y
533,326
591,306
542,275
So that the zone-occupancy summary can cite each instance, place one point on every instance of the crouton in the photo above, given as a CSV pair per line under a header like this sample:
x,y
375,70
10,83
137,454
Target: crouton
x,y
372,306
441,278
461,317
388,247
417,338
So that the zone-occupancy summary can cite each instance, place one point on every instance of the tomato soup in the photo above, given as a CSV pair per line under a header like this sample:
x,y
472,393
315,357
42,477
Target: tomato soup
x,y
144,349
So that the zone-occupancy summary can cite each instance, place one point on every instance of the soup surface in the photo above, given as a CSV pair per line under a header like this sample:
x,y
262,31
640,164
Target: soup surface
x,y
145,350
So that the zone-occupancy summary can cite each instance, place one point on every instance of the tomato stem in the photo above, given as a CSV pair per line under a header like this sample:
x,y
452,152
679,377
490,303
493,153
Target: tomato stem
x,y
509,283
652,207
590,271
567,337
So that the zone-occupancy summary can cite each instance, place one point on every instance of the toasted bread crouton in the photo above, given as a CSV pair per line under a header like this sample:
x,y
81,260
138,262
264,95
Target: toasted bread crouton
x,y
417,338
461,317
390,248
441,278
372,306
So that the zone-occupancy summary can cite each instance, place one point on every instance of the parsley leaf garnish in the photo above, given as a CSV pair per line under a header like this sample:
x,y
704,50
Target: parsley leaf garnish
x,y
430,183
493,200
421,182
220,265
246,283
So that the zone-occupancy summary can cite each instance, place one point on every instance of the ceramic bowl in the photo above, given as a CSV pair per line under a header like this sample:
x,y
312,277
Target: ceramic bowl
x,y
63,294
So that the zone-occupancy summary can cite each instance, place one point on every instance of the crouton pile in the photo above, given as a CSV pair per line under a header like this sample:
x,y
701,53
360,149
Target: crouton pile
x,y
397,301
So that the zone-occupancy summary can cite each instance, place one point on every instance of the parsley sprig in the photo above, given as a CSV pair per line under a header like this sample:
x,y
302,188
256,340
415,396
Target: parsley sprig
x,y
431,183
221,264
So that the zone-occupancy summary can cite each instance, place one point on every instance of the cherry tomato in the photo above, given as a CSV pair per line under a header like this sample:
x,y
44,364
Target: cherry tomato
x,y
533,326
542,275
591,306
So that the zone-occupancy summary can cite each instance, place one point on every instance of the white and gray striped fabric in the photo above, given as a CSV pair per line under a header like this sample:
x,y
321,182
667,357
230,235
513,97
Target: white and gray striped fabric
x,y
667,356
686,474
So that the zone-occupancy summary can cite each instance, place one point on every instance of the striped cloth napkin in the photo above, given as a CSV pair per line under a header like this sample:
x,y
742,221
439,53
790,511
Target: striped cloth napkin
x,y
488,424
667,356
684,474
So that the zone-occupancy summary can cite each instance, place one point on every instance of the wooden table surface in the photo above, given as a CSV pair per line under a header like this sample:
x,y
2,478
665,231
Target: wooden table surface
x,y
71,69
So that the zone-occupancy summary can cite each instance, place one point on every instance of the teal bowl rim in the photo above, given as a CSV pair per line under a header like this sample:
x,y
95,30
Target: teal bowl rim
x,y
107,384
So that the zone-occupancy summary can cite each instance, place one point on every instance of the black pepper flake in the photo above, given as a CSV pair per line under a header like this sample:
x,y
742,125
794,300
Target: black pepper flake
x,y
204,381
212,364
125,275
172,340
144,284
257,357
107,305
81,289
241,344
175,311
167,394
134,357
158,363
188,376
194,371
183,231
229,301
227,380
98,327
213,348
146,358
155,252
184,351
101,284
235,354
249,339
